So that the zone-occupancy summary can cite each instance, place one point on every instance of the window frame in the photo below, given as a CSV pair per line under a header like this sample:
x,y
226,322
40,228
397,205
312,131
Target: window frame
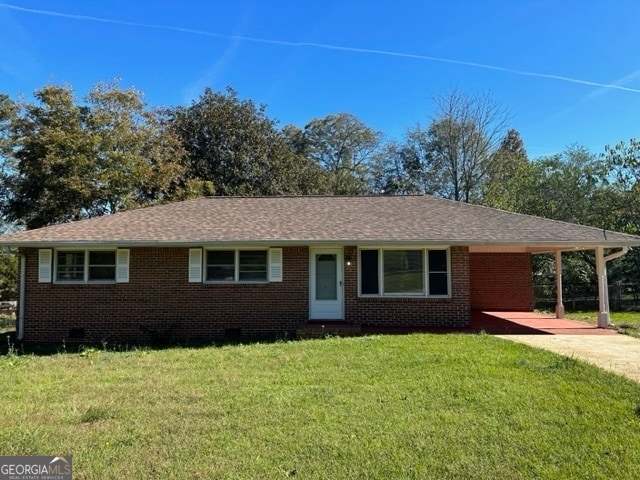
x,y
425,273
86,265
236,259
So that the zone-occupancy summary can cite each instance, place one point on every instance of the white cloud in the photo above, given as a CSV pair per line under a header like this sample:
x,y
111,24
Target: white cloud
x,y
325,46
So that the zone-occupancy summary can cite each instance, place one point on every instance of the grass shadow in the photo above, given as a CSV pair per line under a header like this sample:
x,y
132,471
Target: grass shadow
x,y
9,345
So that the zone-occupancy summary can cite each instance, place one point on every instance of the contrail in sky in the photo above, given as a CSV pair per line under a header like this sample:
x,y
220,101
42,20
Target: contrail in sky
x,y
324,46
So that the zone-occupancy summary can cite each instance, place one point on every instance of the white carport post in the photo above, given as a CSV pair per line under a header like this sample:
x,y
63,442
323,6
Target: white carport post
x,y
603,289
603,286
559,304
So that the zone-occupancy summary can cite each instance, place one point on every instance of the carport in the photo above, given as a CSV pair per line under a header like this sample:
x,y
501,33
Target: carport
x,y
613,247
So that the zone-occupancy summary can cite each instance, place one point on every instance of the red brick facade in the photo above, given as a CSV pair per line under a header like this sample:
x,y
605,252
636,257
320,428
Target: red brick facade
x,y
501,281
415,312
159,304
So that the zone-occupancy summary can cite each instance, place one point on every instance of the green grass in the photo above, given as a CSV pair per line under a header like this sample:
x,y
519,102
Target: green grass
x,y
624,322
419,406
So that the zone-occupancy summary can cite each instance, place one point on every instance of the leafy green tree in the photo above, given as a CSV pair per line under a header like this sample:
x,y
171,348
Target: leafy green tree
x,y
137,156
8,114
8,276
49,172
568,187
507,175
236,149
386,173
572,186
623,160
70,160
344,147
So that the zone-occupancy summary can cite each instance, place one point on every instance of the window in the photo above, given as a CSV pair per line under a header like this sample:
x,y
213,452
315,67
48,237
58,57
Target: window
x,y
252,266
221,265
102,266
369,283
87,265
70,266
237,265
438,272
404,272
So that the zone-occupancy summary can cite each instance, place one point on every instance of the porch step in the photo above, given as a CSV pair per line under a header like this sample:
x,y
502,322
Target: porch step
x,y
328,329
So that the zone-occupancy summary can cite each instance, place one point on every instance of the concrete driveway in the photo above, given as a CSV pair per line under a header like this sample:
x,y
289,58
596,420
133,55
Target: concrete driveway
x,y
617,353
602,347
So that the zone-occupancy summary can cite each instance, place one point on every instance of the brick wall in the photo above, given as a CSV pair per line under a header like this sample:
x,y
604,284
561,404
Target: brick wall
x,y
417,312
501,281
158,304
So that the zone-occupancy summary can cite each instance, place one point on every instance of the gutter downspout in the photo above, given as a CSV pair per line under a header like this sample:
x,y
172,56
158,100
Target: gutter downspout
x,y
23,278
603,286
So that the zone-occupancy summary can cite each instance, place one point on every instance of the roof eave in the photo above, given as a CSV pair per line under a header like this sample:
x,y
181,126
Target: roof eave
x,y
534,246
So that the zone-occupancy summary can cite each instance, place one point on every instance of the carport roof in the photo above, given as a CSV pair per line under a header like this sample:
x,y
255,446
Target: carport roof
x,y
301,220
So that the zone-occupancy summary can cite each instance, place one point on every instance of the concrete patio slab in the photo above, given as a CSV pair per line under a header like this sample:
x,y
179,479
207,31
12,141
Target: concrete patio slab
x,y
532,323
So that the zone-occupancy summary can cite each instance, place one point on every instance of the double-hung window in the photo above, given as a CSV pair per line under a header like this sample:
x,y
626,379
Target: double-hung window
x,y
236,265
413,272
87,266
70,266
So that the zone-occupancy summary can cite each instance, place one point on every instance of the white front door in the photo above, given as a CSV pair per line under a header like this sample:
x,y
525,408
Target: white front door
x,y
326,284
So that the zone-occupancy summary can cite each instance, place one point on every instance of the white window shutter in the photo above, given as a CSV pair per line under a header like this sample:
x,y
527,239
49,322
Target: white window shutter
x,y
44,265
122,266
275,264
195,265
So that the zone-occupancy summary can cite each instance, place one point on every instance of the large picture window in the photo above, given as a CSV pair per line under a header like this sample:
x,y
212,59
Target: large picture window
x,y
404,272
236,265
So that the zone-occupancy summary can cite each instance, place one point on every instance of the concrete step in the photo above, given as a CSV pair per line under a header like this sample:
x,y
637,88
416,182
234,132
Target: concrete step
x,y
329,329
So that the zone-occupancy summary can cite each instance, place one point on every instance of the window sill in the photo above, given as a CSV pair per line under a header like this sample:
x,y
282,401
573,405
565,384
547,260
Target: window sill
x,y
406,297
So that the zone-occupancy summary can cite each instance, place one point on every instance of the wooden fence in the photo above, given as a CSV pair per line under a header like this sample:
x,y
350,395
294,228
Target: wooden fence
x,y
622,296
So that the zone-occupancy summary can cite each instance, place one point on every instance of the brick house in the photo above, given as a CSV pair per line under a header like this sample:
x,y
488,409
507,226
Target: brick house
x,y
221,267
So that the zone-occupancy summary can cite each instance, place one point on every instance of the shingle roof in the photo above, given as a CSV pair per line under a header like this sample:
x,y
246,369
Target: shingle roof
x,y
319,219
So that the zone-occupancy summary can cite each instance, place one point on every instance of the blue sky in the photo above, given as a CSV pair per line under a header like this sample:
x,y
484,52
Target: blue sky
x,y
568,71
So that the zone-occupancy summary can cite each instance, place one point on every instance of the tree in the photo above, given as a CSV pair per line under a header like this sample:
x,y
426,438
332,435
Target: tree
x,y
453,156
8,276
50,170
233,146
8,113
572,187
344,147
623,160
568,187
137,155
386,173
71,160
508,172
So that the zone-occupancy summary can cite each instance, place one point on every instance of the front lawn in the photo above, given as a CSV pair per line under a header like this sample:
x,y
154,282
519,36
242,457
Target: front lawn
x,y
419,406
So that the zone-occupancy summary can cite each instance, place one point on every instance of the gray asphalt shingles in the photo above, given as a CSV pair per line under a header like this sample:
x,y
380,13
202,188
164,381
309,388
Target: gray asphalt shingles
x,y
412,218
